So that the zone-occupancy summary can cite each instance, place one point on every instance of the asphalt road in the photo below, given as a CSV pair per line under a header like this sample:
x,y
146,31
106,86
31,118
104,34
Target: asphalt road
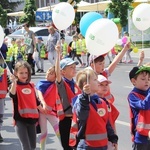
x,y
120,88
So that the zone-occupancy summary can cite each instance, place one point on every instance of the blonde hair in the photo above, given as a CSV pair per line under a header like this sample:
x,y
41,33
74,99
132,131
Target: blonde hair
x,y
50,69
23,64
84,76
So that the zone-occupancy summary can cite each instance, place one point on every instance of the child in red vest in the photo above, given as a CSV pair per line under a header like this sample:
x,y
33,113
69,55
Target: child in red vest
x,y
67,89
4,83
47,91
139,103
112,111
90,125
97,63
25,105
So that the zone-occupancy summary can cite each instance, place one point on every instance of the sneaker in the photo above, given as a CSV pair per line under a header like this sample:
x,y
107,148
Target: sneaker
x,y
41,71
124,61
38,70
130,61
1,139
33,73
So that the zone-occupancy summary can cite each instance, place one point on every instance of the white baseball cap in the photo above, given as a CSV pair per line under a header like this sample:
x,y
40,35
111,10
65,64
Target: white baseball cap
x,y
101,79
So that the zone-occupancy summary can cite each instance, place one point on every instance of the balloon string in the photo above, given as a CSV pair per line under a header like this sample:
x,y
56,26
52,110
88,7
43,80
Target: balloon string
x,y
93,63
5,62
142,40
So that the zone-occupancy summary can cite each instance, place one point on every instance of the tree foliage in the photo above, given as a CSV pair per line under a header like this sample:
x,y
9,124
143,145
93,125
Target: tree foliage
x,y
29,9
9,6
120,10
3,17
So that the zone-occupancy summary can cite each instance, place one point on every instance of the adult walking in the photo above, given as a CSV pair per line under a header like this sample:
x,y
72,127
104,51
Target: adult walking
x,y
53,38
30,46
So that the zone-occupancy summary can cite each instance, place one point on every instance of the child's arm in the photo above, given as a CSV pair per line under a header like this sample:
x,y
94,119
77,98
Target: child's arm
x,y
41,98
141,58
13,85
57,65
116,60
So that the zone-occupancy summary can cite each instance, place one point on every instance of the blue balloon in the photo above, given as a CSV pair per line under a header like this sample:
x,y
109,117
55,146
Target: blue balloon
x,y
87,20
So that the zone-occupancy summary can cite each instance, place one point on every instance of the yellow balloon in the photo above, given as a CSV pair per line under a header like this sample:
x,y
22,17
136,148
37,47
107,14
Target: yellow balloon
x,y
135,50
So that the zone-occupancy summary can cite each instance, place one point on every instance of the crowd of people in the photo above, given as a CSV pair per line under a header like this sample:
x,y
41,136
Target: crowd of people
x,y
81,111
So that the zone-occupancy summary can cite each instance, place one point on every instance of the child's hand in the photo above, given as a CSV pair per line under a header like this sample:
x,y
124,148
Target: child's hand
x,y
13,79
58,48
45,108
127,46
142,55
86,89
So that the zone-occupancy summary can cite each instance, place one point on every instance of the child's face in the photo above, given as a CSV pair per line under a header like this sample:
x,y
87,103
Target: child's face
x,y
142,82
98,67
22,74
93,84
51,75
103,88
69,71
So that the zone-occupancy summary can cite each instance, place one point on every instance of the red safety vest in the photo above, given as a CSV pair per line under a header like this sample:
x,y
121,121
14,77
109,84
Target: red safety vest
x,y
27,106
95,133
3,85
143,124
70,94
113,114
108,95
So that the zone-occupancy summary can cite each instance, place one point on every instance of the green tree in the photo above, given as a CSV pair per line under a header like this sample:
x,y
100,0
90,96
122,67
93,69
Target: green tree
x,y
3,17
29,10
9,6
120,10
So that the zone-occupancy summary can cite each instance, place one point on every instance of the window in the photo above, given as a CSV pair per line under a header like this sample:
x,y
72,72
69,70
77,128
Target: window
x,y
43,32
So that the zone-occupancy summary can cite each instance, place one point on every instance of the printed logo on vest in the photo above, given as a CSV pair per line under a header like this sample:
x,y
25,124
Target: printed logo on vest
x,y
26,91
101,112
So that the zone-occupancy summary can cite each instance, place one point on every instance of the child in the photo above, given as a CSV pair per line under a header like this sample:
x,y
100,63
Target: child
x,y
90,126
46,92
112,111
67,89
97,63
25,105
4,83
64,48
126,39
42,51
76,50
139,103
83,49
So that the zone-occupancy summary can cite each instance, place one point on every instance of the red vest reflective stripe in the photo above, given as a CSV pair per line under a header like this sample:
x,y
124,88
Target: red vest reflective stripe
x,y
59,107
73,131
143,124
95,134
70,93
27,105
3,85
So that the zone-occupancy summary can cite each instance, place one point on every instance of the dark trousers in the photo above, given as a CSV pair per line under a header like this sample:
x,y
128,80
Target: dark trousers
x,y
76,55
64,129
31,62
138,146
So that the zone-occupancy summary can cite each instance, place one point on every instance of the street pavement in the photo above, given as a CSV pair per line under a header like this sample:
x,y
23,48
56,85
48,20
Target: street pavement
x,y
120,88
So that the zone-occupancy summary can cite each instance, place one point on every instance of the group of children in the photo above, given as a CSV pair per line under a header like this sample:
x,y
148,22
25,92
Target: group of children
x,y
81,113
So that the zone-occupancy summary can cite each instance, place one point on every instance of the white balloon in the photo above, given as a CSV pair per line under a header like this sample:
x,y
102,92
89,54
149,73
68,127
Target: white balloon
x,y
119,42
63,15
141,16
2,36
101,36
